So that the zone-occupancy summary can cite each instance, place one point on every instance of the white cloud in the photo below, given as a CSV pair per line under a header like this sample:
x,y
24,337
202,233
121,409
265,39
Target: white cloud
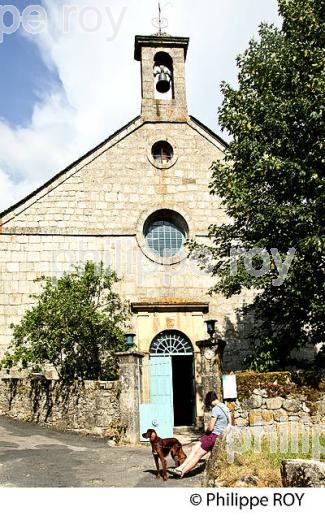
x,y
101,81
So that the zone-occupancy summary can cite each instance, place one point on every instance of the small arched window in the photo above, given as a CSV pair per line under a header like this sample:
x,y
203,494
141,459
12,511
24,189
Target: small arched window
x,y
162,152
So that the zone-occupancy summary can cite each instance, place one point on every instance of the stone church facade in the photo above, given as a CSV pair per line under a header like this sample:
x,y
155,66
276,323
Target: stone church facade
x,y
133,201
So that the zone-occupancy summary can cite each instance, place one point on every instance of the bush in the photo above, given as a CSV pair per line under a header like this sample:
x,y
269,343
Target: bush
x,y
76,326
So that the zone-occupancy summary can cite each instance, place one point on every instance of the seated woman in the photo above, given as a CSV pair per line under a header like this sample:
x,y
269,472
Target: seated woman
x,y
220,418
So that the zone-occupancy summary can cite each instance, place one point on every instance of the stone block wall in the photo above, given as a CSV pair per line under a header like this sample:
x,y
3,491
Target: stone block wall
x,y
277,398
96,210
91,406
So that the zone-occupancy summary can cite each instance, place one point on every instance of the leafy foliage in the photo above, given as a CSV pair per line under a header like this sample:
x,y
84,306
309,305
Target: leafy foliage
x,y
75,325
264,357
271,181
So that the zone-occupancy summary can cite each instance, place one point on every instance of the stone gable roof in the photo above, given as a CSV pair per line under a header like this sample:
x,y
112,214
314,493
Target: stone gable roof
x,y
101,148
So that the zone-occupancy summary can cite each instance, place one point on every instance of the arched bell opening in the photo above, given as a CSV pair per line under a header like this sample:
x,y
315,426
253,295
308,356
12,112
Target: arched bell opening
x,y
163,76
178,347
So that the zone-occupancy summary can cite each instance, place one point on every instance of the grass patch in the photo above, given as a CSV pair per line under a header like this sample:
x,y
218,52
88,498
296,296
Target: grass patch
x,y
260,467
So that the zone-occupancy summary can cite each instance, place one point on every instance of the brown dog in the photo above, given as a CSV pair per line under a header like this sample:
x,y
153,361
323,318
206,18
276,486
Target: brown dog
x,y
161,448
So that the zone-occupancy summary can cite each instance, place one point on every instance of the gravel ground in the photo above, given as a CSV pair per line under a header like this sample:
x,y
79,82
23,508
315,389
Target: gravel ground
x,y
34,456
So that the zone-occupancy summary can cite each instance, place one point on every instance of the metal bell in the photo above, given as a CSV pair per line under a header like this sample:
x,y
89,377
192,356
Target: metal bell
x,y
163,83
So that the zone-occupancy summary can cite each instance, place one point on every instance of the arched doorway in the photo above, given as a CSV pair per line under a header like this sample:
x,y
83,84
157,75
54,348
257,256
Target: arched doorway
x,y
175,345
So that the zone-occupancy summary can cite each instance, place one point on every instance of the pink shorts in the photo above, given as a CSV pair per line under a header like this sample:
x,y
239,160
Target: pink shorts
x,y
208,441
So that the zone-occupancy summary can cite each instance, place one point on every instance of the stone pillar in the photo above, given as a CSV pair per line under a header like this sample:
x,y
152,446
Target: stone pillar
x,y
211,369
130,377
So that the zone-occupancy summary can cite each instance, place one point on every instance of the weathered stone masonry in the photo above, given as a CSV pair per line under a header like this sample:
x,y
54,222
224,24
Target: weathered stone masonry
x,y
96,211
89,407
280,398
106,408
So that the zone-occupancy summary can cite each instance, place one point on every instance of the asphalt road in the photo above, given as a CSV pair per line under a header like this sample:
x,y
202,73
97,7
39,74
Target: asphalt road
x,y
34,456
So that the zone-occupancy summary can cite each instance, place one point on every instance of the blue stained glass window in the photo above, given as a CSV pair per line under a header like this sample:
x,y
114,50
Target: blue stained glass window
x,y
166,238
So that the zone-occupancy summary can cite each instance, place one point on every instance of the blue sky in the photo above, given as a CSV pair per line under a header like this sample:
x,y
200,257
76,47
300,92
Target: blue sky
x,y
24,76
68,87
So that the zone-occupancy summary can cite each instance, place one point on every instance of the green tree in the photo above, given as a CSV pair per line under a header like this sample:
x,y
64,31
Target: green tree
x,y
271,181
75,324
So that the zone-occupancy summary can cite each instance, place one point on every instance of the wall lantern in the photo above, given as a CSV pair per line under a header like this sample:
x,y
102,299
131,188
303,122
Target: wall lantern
x,y
211,326
130,340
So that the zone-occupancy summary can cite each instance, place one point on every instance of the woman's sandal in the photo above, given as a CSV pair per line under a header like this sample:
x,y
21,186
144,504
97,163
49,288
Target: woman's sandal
x,y
176,472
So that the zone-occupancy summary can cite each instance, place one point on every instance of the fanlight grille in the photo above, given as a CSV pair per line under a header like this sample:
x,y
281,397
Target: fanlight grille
x,y
171,343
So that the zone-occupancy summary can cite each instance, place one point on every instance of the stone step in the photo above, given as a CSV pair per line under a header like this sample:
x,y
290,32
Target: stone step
x,y
186,430
187,436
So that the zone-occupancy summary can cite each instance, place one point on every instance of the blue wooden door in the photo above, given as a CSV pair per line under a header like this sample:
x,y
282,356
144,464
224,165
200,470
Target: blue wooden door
x,y
159,414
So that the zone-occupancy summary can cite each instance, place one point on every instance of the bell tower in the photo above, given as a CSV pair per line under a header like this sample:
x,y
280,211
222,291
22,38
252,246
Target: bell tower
x,y
162,60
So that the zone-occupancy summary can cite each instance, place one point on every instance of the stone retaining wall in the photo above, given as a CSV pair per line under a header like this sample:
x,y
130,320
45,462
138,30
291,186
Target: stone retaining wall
x,y
90,406
281,397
